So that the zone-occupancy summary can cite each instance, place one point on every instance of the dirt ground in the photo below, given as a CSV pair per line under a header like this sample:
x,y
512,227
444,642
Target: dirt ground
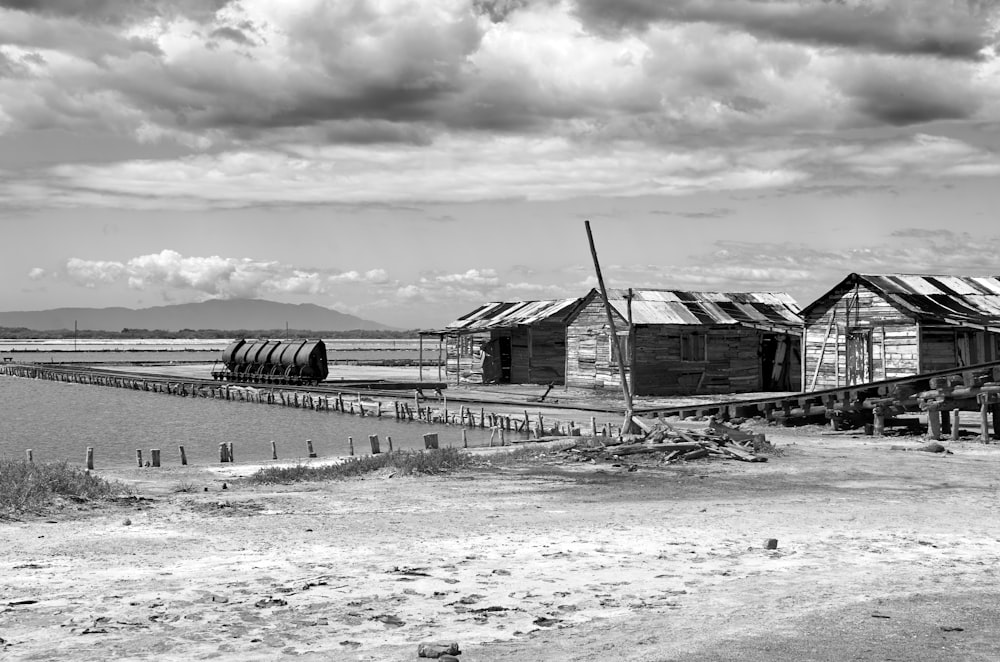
x,y
882,554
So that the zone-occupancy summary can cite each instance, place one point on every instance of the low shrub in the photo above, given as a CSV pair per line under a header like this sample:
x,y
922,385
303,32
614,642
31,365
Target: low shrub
x,y
403,463
30,487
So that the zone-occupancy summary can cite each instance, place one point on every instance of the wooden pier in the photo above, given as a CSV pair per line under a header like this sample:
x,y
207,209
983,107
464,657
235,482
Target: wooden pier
x,y
970,388
428,403
942,395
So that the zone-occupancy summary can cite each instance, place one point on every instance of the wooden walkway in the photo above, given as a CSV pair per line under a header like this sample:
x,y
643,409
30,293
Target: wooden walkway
x,y
970,388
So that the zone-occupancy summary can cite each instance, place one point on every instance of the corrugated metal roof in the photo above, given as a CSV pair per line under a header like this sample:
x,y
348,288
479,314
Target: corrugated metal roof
x,y
959,300
767,310
504,315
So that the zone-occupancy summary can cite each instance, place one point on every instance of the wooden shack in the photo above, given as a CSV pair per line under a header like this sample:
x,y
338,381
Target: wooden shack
x,y
873,327
679,342
521,342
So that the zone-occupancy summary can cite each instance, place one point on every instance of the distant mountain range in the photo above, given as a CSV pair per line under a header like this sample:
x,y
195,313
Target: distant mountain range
x,y
223,314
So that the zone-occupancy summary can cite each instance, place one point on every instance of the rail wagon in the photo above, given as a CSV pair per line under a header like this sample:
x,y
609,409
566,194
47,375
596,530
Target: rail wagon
x,y
272,362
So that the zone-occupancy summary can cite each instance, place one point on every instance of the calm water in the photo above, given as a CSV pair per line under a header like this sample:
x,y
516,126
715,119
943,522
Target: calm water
x,y
94,350
58,421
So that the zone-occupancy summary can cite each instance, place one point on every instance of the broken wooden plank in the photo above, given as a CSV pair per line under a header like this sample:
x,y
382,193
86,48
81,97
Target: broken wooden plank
x,y
740,454
655,448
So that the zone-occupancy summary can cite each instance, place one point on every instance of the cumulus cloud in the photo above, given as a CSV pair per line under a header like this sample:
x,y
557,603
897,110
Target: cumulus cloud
x,y
215,276
321,101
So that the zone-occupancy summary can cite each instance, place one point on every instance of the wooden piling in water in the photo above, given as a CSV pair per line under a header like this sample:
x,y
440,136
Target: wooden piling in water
x,y
373,440
229,451
309,448
154,456
184,459
138,456
223,452
350,445
274,450
431,440
90,457
28,455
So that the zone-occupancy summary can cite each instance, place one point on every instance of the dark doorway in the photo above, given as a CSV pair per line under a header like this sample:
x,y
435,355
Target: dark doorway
x,y
496,361
775,363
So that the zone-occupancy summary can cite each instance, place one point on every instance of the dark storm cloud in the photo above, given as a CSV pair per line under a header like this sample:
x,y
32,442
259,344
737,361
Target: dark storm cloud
x,y
905,27
88,41
900,97
117,12
232,34
500,10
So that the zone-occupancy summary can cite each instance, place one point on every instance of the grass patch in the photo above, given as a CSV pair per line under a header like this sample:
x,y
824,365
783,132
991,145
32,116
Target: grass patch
x,y
403,463
32,487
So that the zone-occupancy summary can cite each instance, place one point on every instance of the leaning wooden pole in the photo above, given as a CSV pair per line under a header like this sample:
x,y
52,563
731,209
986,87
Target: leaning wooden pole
x,y
627,425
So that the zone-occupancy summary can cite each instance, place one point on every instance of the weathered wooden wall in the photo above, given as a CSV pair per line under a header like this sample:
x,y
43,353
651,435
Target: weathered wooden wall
x,y
538,353
588,354
894,339
899,345
729,360
944,347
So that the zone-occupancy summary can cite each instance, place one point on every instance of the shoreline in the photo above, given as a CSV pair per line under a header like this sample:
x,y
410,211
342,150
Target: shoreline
x,y
879,554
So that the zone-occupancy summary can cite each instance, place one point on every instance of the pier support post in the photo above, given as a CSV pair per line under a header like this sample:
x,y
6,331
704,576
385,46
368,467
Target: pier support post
x,y
879,428
223,452
373,440
956,430
138,456
90,458
465,440
350,445
984,421
28,455
431,440
309,448
154,456
274,450
388,440
184,457
934,424
229,452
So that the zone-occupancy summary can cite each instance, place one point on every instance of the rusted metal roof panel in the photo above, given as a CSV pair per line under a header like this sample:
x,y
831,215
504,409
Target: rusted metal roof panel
x,y
504,315
775,310
959,300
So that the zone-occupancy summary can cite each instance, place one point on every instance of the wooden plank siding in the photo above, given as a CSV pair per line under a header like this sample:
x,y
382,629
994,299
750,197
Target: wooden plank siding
x,y
538,356
670,359
900,346
944,347
893,338
588,357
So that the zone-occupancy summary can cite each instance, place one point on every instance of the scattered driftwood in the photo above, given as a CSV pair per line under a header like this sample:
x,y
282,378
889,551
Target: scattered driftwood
x,y
670,444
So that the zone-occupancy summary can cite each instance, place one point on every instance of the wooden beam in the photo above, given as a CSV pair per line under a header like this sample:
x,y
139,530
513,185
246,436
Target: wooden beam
x,y
614,334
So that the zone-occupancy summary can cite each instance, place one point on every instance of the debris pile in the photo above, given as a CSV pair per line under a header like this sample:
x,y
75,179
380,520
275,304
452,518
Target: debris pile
x,y
670,444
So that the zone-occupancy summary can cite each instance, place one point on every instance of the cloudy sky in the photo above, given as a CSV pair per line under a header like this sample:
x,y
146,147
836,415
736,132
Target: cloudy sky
x,y
406,161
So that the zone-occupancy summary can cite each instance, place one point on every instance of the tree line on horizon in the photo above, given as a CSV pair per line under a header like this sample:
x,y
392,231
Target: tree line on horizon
x,y
23,333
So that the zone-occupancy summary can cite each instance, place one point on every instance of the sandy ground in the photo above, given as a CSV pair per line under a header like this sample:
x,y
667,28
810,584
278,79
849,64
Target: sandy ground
x,y
882,555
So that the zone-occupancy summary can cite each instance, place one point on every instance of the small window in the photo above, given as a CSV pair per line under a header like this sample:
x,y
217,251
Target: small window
x,y
694,347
